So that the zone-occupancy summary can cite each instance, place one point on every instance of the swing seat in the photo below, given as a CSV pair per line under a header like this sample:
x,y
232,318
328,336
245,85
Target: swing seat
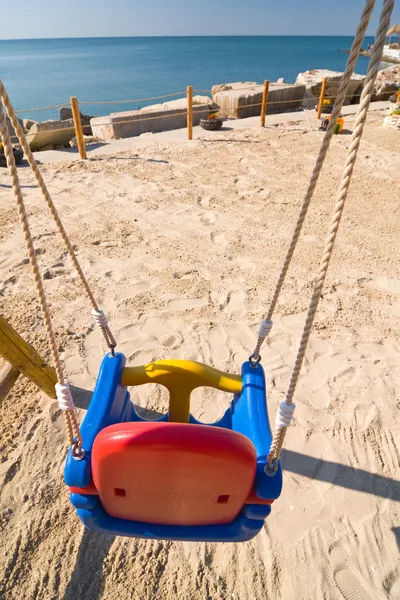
x,y
173,473
174,478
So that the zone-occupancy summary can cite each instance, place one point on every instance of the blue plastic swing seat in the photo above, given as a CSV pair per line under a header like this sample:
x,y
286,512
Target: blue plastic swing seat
x,y
174,478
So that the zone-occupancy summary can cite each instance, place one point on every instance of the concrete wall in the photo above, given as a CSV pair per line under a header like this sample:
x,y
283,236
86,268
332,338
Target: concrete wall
x,y
151,119
313,81
56,133
236,102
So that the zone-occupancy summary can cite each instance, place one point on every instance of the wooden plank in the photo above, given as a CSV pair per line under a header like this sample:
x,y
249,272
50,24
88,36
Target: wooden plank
x,y
321,97
8,377
78,127
264,103
25,359
190,111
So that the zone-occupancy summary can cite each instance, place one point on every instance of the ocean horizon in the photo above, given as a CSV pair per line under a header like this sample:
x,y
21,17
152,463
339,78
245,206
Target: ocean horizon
x,y
45,72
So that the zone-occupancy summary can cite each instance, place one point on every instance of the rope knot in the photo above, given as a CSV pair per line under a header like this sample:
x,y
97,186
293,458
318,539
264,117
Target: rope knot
x,y
284,415
64,396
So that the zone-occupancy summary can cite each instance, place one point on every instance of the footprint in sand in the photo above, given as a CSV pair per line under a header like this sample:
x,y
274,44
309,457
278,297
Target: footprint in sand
x,y
208,218
245,187
242,334
170,341
386,284
136,288
350,582
131,334
245,265
310,238
382,176
219,239
205,202
353,587
187,303
242,183
218,344
235,303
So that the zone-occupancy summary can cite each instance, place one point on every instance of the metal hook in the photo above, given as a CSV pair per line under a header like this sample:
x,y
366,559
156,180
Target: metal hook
x,y
254,361
271,467
78,453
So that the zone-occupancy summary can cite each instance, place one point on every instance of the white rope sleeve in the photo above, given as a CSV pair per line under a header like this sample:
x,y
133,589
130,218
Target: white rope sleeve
x,y
64,396
100,318
265,328
284,415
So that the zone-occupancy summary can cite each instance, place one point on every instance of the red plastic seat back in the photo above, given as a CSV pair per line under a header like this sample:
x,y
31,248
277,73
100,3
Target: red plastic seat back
x,y
173,473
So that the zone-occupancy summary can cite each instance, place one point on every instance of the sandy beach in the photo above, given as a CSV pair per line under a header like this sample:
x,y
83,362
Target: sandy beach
x,y
182,243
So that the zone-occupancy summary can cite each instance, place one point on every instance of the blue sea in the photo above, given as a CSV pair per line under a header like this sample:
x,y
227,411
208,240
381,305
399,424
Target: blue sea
x,y
46,72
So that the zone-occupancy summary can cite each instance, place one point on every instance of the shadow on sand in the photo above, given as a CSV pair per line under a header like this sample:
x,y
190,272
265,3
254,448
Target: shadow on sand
x,y
87,579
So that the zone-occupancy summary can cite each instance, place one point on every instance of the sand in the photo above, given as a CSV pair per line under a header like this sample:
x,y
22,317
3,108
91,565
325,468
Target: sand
x,y
182,243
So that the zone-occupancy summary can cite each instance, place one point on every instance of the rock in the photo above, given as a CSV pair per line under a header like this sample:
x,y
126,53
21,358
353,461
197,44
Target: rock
x,y
18,156
310,101
203,100
47,147
89,139
11,131
66,114
243,99
313,82
52,132
225,87
150,119
392,121
280,80
387,82
28,123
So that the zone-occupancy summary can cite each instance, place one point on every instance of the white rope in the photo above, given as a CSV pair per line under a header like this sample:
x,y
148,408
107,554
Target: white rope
x,y
4,98
344,84
384,23
74,436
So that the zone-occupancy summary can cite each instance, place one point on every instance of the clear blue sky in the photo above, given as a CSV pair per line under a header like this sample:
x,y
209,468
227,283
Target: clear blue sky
x,y
87,18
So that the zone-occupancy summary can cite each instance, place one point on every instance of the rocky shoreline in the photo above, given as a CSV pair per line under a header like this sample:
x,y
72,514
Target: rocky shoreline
x,y
230,99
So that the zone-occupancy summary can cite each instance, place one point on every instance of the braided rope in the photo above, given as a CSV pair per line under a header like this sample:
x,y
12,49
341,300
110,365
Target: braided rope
x,y
109,338
344,84
376,57
70,416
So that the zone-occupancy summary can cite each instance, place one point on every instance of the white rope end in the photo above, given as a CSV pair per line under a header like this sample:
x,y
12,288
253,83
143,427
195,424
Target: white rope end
x,y
64,396
265,328
100,318
284,415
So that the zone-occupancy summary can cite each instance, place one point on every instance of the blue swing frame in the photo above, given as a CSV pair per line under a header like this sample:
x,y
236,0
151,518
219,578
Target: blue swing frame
x,y
111,404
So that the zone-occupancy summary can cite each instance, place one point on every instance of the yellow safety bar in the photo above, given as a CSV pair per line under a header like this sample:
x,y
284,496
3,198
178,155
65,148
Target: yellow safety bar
x,y
181,377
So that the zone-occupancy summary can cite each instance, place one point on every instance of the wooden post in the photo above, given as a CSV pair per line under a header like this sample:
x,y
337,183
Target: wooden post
x,y
25,359
189,92
264,103
321,97
8,377
78,127
398,97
